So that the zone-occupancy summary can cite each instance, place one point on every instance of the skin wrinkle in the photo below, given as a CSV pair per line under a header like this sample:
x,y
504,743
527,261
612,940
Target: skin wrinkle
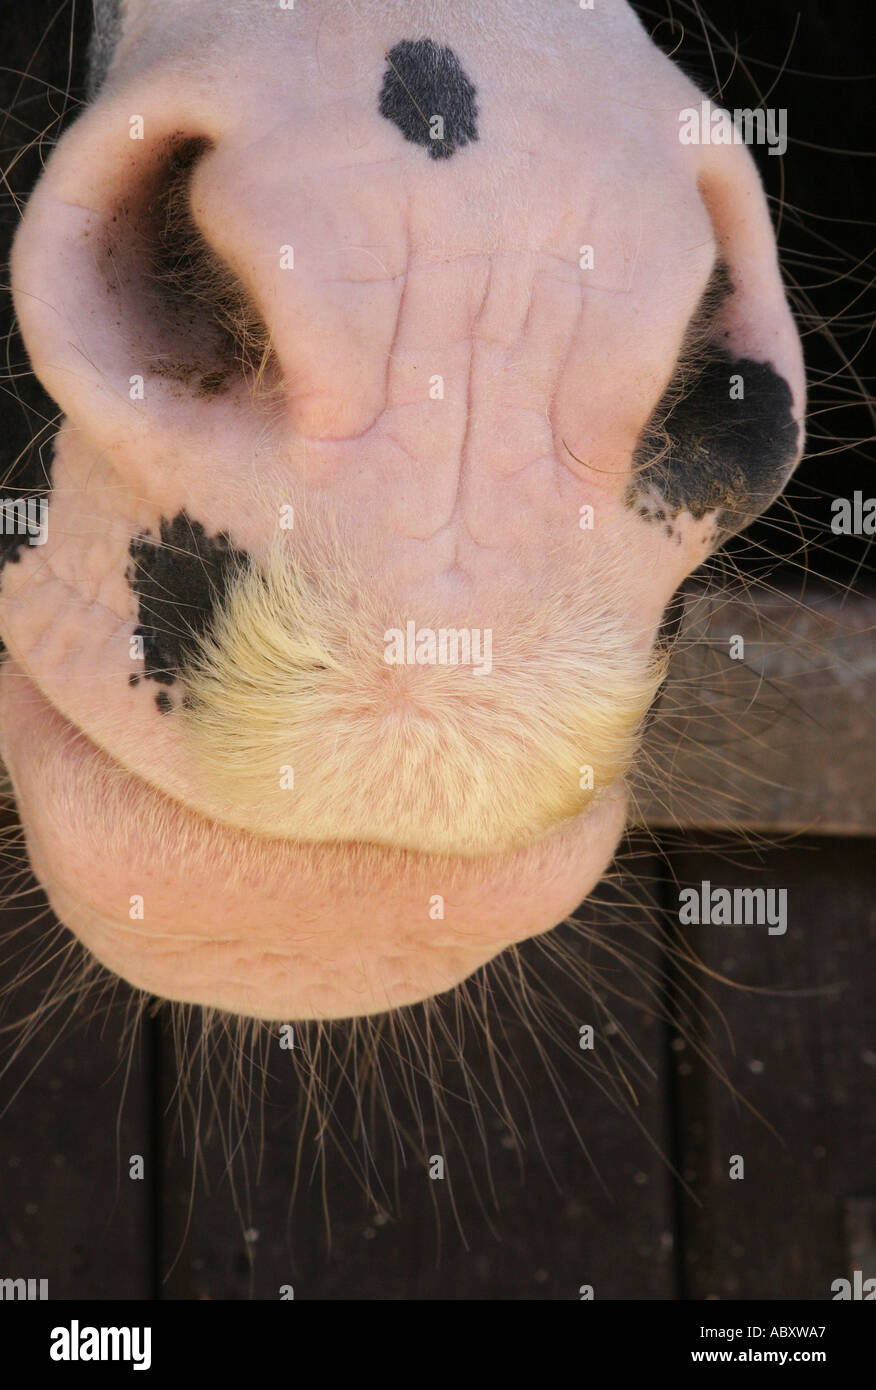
x,y
464,446
558,378
401,301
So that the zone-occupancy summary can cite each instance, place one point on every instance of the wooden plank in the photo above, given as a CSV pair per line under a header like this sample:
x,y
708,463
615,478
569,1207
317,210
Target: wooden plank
x,y
800,1051
69,1212
516,1231
859,1227
782,739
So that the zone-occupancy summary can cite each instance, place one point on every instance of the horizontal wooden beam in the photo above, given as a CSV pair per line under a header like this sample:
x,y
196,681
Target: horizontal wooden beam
x,y
768,719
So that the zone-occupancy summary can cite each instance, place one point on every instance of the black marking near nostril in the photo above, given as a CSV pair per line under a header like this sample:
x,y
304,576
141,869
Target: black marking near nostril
x,y
181,580
712,452
424,81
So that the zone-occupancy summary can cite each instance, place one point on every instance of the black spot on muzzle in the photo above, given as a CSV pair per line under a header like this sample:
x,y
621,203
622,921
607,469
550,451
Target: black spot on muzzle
x,y
428,96
181,580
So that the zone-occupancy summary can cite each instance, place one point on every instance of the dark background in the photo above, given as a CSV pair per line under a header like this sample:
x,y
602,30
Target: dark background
x,y
576,1182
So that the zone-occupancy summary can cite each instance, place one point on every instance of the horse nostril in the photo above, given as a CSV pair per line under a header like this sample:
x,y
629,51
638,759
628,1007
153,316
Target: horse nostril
x,y
197,327
128,313
200,299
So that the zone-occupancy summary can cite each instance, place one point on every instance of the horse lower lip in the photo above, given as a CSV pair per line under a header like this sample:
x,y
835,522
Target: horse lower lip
x,y
258,927
37,722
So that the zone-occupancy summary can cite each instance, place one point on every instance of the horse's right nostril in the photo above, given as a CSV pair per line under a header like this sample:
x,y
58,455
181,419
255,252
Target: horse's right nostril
x,y
193,325
212,325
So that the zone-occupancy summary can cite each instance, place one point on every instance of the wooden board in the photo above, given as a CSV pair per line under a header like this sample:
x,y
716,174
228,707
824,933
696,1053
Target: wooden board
x,y
781,739
805,1058
69,1212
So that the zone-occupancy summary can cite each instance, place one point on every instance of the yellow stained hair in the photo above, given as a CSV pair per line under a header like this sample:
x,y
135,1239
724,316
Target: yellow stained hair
x,y
295,718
